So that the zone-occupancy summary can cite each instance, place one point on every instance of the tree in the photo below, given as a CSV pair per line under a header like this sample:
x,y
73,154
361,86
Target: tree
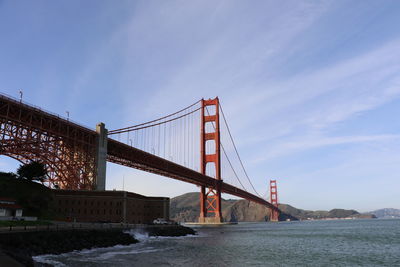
x,y
32,171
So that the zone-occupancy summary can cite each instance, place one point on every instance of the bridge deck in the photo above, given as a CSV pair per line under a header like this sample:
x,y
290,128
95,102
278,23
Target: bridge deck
x,y
33,118
123,154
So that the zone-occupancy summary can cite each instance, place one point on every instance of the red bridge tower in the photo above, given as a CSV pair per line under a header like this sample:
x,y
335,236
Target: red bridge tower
x,y
210,198
273,190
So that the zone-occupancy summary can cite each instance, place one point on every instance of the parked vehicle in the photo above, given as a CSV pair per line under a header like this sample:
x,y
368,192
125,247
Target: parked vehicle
x,y
160,221
164,222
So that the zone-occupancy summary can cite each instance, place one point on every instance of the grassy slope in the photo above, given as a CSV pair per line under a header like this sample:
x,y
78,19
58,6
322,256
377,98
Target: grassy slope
x,y
36,199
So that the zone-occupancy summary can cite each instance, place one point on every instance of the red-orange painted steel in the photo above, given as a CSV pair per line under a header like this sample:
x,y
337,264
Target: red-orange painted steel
x,y
126,155
273,190
68,149
210,200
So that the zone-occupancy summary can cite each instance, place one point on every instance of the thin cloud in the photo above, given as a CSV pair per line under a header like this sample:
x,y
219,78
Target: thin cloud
x,y
320,99
313,142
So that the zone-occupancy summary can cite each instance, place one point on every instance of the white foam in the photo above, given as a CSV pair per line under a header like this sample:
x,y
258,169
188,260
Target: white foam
x,y
94,255
92,250
107,253
112,254
45,259
174,237
102,250
140,235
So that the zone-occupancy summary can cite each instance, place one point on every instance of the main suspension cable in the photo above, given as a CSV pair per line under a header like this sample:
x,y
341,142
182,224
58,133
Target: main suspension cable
x,y
167,116
133,128
223,149
237,153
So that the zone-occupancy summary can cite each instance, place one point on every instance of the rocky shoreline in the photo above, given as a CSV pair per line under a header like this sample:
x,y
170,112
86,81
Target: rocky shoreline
x,y
21,246
169,230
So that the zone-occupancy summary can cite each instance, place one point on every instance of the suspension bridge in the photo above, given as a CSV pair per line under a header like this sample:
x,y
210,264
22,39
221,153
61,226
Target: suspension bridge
x,y
193,145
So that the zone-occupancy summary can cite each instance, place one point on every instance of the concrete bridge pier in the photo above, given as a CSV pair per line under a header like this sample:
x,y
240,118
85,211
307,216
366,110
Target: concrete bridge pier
x,y
101,156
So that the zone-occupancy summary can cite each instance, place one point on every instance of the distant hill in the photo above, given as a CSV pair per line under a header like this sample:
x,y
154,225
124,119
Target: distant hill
x,y
386,213
186,208
322,214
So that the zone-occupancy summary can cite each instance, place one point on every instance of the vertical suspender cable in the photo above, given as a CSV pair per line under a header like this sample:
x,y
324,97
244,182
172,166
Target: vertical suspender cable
x,y
237,153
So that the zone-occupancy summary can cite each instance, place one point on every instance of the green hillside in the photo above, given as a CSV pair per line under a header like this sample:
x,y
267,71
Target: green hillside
x,y
36,199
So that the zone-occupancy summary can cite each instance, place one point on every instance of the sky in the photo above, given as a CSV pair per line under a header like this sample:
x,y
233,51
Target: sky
x,y
311,89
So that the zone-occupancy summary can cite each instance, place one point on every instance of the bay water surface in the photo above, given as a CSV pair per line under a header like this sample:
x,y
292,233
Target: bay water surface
x,y
372,242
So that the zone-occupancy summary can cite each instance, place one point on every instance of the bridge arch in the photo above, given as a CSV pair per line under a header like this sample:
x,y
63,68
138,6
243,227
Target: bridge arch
x,y
67,150
59,170
55,175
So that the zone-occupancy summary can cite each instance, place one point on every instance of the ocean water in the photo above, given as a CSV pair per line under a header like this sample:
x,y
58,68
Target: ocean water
x,y
310,243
